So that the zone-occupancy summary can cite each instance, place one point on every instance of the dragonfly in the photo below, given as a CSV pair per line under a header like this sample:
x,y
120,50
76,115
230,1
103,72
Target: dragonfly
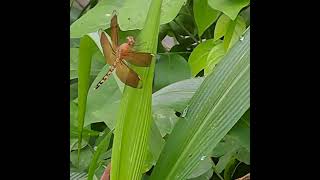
x,y
117,56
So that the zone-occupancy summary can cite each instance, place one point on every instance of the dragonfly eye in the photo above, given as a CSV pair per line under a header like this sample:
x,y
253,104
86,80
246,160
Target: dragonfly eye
x,y
130,40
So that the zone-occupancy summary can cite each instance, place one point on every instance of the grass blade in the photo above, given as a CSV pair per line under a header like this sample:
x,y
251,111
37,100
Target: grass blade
x,y
215,108
134,117
86,50
102,147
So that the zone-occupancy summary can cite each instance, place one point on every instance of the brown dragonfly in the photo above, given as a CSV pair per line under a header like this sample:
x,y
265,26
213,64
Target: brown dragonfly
x,y
118,56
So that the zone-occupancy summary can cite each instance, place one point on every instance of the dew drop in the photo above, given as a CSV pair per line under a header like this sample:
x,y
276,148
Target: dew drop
x,y
241,38
202,158
185,111
95,148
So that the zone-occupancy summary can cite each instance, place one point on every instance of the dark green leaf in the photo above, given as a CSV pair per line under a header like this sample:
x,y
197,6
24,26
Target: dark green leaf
x,y
170,68
229,7
102,147
128,16
86,156
204,166
234,32
171,99
214,57
204,15
198,57
221,26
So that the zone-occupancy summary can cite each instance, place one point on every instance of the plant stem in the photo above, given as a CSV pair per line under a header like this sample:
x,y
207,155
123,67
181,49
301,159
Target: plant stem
x,y
186,30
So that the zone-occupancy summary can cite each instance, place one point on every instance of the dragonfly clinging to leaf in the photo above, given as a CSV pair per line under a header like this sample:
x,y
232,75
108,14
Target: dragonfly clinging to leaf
x,y
118,56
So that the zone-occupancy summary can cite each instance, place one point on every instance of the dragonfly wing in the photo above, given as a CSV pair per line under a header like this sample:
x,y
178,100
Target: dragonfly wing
x,y
108,51
128,76
139,58
114,31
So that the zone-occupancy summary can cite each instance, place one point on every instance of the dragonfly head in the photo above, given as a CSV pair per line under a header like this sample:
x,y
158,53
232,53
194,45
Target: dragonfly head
x,y
130,40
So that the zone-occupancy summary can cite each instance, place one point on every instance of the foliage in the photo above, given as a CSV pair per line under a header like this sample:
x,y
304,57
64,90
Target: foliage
x,y
191,119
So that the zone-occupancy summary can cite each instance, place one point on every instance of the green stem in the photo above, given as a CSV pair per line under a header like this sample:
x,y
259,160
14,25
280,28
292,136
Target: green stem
x,y
186,30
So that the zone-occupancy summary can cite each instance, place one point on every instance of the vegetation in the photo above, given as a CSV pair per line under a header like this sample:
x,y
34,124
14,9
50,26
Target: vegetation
x,y
191,119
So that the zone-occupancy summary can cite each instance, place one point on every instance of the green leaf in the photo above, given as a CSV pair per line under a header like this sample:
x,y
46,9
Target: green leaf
x,y
229,7
214,57
218,104
243,155
128,16
171,99
204,166
74,63
236,142
230,169
198,57
205,176
97,63
73,91
170,68
223,161
86,156
234,32
241,131
104,102
156,143
221,26
134,116
102,147
204,15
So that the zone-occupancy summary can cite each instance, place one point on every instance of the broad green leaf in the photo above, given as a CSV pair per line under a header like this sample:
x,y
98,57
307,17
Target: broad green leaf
x,y
246,15
97,63
74,63
229,7
243,155
205,176
134,118
204,15
215,108
198,57
170,68
204,166
221,26
102,147
214,57
103,103
131,15
236,143
156,144
86,156
171,99
241,131
234,32
225,146
74,42
223,161
73,91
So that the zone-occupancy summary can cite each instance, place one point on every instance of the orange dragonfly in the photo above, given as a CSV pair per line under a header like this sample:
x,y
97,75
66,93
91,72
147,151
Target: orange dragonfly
x,y
118,56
